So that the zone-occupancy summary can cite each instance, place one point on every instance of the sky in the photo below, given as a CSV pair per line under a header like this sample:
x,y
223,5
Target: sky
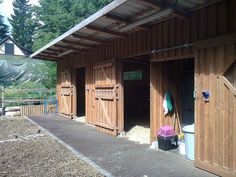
x,y
6,8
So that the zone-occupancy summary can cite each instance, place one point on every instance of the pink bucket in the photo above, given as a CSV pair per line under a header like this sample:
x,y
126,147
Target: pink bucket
x,y
166,131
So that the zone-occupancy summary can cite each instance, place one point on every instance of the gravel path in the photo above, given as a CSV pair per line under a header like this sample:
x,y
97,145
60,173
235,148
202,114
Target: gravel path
x,y
38,156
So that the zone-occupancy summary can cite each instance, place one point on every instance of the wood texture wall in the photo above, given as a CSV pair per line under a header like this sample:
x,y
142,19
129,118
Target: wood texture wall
x,y
211,21
216,118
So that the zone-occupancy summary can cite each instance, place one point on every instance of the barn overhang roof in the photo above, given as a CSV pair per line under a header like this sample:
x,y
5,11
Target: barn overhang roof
x,y
116,20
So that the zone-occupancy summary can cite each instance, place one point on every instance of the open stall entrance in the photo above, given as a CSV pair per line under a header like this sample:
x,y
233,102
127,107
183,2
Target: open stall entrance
x,y
136,80
80,87
175,87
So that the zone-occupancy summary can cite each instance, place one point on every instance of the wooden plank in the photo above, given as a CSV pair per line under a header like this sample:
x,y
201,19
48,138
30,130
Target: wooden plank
x,y
104,97
188,56
212,21
107,31
202,27
207,105
222,20
89,38
102,125
216,41
172,34
69,48
77,43
104,111
103,65
120,92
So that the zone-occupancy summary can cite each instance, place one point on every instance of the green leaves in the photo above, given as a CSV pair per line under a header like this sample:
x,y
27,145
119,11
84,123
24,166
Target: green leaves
x,y
58,16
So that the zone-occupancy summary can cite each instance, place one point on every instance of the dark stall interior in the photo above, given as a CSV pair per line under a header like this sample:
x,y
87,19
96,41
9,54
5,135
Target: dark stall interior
x,y
80,92
136,79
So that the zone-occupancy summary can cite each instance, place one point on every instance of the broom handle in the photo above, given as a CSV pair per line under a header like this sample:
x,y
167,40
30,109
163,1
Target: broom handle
x,y
178,120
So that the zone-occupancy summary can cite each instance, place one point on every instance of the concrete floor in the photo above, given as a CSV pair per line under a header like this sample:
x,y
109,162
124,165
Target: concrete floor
x,y
119,156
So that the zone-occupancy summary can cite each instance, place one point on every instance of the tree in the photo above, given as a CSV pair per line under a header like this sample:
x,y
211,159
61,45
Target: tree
x,y
4,29
58,16
23,24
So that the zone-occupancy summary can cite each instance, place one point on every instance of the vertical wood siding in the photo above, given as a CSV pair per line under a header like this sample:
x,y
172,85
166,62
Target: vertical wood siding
x,y
216,119
208,22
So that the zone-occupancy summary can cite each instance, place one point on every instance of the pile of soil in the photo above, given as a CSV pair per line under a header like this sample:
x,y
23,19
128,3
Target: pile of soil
x,y
38,156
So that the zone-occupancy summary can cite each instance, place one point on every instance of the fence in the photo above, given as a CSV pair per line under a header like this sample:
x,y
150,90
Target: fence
x,y
28,102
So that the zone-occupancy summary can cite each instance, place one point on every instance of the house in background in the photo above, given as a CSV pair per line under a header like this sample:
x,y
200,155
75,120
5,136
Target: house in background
x,y
9,47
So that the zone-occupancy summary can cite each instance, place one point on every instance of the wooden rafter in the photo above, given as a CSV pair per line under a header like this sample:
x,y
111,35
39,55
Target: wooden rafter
x,y
47,56
54,50
105,30
49,53
141,13
89,38
158,6
117,18
123,20
152,4
69,47
78,43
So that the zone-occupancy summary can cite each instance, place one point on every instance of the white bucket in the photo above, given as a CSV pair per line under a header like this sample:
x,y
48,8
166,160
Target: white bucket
x,y
182,147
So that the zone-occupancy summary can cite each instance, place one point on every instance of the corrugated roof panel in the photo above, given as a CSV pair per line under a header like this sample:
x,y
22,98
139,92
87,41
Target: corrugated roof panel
x,y
130,9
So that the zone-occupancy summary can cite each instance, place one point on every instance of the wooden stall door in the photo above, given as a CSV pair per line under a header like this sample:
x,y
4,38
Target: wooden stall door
x,y
215,119
66,93
106,98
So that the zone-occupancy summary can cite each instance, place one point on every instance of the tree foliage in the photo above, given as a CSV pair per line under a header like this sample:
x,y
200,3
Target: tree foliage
x,y
58,16
4,29
55,18
23,24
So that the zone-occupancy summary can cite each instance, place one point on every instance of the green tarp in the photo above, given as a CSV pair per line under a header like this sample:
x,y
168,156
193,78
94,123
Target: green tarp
x,y
18,69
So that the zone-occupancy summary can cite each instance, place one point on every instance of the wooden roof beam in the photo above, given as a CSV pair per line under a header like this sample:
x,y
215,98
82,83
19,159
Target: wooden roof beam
x,y
47,56
78,43
161,6
49,53
151,3
117,18
105,30
88,38
123,20
69,48
54,50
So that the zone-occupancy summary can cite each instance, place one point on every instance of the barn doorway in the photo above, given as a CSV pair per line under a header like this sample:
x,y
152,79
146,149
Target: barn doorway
x,y
187,93
80,88
136,80
175,79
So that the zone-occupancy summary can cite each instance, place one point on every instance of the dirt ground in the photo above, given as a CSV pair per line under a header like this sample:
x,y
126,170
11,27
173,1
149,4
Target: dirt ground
x,y
25,151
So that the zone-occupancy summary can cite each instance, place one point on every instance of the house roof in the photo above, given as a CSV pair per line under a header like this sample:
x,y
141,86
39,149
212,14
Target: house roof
x,y
24,50
116,20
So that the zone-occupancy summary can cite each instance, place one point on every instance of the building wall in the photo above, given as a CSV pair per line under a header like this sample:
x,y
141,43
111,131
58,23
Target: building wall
x,y
17,50
214,20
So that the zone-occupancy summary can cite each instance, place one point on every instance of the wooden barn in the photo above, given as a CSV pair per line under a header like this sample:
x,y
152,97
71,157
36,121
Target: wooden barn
x,y
116,66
